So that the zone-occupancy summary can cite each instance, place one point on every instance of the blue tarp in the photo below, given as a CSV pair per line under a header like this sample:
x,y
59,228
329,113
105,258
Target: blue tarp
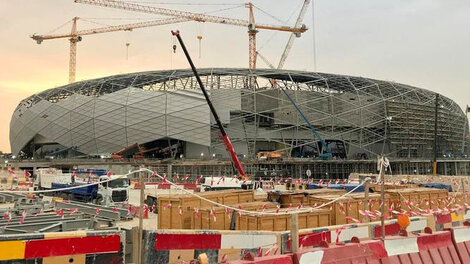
x,y
87,190
348,187
437,186
98,172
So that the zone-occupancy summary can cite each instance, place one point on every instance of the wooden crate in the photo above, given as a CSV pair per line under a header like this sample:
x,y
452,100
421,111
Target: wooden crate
x,y
459,198
223,221
377,187
281,222
323,191
348,205
420,197
295,197
172,219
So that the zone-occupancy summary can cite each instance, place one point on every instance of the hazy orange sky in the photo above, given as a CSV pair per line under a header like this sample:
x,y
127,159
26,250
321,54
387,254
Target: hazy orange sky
x,y
418,42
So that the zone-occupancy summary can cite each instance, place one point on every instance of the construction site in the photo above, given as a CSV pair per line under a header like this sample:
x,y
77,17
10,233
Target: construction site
x,y
209,165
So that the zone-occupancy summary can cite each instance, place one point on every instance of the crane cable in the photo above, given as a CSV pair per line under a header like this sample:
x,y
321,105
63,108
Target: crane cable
x,y
273,34
59,27
314,46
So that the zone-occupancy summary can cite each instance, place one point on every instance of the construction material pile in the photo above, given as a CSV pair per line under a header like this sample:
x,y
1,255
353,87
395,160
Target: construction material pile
x,y
316,208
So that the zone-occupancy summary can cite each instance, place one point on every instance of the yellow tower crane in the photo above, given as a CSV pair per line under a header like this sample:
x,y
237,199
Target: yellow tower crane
x,y
76,36
250,24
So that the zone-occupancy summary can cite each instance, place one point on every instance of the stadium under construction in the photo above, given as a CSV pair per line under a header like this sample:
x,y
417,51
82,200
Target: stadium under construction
x,y
165,115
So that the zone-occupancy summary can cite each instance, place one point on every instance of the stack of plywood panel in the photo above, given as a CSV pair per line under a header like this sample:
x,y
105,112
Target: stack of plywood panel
x,y
204,220
424,198
347,206
174,212
281,221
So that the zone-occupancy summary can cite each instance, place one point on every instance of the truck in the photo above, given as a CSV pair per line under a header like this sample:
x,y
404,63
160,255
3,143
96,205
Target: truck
x,y
104,192
114,191
86,194
217,183
46,176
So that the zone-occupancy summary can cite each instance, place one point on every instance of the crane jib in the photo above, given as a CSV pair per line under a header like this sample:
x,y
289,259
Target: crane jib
x,y
223,134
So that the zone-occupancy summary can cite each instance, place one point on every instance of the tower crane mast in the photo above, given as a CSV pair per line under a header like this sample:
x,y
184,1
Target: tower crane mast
x,y
74,38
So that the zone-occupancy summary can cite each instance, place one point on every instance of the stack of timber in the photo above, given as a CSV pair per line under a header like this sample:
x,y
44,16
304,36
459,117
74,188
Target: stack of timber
x,y
174,212
223,221
281,222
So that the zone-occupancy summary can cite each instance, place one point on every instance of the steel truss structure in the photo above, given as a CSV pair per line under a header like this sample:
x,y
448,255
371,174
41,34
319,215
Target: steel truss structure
x,y
370,116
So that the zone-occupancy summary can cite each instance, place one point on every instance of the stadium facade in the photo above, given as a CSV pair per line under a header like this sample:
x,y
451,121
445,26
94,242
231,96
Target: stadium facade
x,y
166,114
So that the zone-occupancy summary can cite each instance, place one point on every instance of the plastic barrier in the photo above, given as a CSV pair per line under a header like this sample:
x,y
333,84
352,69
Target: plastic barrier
x,y
64,247
421,249
448,220
416,249
417,224
461,239
442,247
332,234
364,252
170,246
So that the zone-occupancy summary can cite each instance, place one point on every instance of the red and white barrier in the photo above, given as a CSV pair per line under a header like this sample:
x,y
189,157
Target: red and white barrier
x,y
422,249
366,252
461,239
278,259
400,245
247,241
172,241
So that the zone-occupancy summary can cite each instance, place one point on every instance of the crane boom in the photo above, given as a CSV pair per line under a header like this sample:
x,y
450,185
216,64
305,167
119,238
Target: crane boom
x,y
125,27
223,134
298,23
76,36
188,15
250,24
